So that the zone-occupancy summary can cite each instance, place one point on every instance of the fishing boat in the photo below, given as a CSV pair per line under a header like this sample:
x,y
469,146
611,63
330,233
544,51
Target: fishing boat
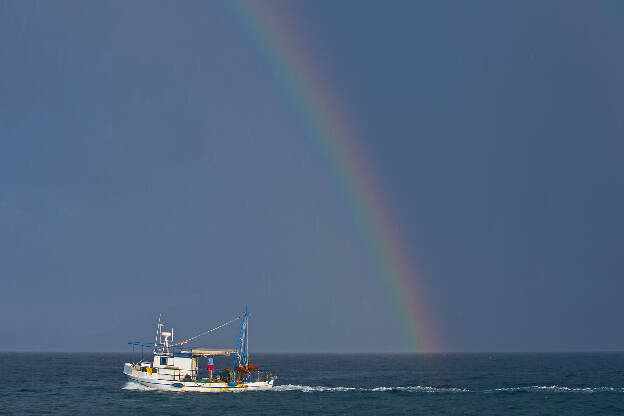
x,y
176,368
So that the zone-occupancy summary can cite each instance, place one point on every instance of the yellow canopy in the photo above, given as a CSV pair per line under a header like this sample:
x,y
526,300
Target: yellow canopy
x,y
206,351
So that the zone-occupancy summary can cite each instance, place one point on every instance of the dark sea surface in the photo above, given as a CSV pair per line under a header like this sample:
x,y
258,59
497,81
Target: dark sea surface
x,y
330,384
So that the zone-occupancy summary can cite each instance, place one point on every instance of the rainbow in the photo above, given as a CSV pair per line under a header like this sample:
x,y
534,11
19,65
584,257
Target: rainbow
x,y
329,122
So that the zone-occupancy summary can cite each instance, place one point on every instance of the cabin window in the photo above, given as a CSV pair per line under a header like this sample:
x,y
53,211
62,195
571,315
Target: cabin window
x,y
163,360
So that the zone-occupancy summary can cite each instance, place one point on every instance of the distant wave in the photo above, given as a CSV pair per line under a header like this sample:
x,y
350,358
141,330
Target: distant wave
x,y
425,389
311,389
558,389
430,389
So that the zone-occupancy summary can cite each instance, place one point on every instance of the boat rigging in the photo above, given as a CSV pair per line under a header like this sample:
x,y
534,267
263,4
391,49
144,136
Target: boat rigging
x,y
173,368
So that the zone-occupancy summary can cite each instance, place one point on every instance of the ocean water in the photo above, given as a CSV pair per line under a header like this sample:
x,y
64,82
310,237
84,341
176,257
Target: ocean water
x,y
330,384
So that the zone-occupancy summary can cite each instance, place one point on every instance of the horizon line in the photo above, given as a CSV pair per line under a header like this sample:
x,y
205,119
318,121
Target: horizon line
x,y
344,352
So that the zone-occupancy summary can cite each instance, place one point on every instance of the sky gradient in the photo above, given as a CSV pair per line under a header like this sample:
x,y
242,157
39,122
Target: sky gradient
x,y
154,159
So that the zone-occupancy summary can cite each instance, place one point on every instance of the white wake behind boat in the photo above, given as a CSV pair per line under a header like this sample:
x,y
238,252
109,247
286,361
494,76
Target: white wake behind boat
x,y
176,369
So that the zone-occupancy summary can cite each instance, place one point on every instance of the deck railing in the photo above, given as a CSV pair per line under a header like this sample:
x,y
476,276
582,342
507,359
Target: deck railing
x,y
176,374
259,375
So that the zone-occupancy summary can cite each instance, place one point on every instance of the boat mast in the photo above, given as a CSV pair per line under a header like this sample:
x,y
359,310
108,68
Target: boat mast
x,y
246,340
240,353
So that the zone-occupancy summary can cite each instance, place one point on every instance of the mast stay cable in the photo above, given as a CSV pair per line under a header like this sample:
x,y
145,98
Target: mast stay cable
x,y
209,331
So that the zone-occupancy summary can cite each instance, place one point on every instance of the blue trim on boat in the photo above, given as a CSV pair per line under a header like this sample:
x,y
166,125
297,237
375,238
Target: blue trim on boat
x,y
174,354
173,384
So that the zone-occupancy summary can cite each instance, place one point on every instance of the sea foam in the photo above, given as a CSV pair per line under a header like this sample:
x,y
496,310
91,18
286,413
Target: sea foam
x,y
423,389
130,385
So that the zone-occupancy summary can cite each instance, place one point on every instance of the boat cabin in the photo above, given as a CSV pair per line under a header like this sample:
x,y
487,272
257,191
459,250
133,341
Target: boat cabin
x,y
184,364
172,362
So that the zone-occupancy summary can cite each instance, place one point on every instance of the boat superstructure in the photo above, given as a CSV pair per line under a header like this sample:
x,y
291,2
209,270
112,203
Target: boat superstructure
x,y
176,368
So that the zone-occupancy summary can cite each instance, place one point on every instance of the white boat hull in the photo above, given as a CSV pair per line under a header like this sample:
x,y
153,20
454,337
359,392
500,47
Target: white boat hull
x,y
155,382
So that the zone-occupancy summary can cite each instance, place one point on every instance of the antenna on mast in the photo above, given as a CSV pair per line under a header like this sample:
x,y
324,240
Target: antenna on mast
x,y
156,340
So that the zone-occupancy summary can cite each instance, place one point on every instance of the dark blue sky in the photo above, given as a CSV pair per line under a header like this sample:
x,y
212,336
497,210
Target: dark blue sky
x,y
151,161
